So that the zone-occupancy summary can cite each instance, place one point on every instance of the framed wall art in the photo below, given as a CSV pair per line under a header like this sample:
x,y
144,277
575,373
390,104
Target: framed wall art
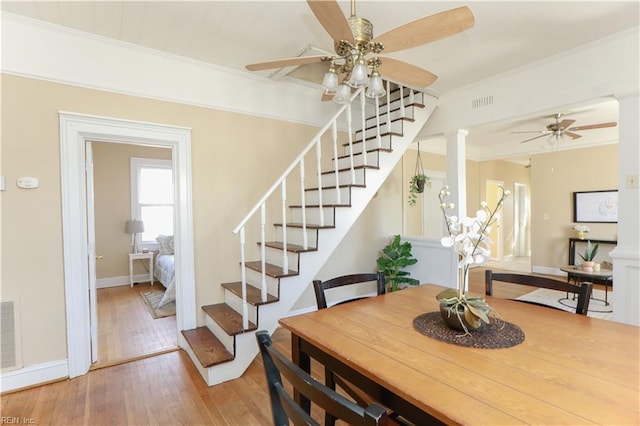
x,y
595,206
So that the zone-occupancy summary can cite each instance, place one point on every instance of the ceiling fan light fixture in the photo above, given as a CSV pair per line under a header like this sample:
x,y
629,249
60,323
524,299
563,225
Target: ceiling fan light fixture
x,y
330,81
359,75
343,94
376,86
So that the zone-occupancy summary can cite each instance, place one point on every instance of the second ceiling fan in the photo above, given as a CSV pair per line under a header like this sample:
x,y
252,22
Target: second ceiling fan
x,y
357,64
563,128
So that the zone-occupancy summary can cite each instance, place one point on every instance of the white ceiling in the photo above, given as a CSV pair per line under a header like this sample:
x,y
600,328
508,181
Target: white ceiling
x,y
232,34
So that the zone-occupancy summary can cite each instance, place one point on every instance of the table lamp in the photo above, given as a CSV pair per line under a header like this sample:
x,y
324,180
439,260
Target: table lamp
x,y
134,227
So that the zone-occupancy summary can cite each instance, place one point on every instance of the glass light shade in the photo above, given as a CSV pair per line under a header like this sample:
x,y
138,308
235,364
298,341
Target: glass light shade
x,y
376,87
330,82
359,77
343,95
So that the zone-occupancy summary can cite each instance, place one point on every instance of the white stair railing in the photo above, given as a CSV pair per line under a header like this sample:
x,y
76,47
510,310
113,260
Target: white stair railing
x,y
345,113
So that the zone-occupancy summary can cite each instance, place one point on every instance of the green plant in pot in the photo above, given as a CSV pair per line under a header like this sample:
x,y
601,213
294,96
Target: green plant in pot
x,y
589,256
416,186
395,257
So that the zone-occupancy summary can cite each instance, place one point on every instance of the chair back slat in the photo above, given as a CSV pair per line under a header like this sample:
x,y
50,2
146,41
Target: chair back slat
x,y
583,291
321,286
285,408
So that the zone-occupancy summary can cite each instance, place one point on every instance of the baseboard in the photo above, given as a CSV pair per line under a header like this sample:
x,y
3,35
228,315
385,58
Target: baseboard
x,y
123,280
34,375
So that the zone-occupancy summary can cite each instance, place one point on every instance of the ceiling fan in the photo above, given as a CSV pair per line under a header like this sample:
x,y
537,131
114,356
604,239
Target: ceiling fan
x,y
357,64
562,128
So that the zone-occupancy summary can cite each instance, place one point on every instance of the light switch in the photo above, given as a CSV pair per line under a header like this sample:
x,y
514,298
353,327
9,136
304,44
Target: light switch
x,y
27,182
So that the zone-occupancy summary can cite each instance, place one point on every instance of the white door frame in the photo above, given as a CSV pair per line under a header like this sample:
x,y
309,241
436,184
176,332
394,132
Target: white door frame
x,y
75,130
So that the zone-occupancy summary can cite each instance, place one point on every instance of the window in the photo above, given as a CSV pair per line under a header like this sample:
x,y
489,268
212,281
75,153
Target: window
x,y
152,197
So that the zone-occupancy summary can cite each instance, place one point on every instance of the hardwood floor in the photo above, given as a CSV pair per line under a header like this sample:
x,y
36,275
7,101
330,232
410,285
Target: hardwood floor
x,y
126,330
164,389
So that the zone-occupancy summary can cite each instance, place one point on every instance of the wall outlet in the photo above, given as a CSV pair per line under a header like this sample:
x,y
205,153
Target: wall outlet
x,y
632,181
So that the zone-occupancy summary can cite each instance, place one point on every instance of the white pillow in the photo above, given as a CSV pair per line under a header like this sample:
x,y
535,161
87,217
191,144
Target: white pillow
x,y
165,244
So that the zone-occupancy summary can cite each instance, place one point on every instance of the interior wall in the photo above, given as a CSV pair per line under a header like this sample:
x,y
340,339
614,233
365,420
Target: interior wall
x,y
235,158
554,178
112,193
228,153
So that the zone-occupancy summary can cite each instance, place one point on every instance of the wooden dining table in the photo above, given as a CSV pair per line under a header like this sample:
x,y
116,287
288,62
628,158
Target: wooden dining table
x,y
570,369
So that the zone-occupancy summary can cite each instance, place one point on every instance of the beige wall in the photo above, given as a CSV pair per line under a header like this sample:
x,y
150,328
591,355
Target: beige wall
x,y
112,193
235,158
554,178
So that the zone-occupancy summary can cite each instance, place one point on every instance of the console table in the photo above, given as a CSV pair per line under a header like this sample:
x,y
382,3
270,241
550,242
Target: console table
x,y
572,246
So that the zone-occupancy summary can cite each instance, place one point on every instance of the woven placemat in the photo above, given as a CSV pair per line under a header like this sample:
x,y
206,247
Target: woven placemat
x,y
495,335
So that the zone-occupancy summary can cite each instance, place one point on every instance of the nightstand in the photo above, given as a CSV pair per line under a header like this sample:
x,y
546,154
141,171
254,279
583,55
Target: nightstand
x,y
140,256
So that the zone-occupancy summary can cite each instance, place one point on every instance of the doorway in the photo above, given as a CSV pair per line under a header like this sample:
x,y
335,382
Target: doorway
x,y
492,196
127,326
75,131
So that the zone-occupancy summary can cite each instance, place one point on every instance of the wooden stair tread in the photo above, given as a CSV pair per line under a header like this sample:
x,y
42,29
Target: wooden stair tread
x,y
315,206
273,271
254,295
368,151
206,346
346,169
228,319
309,225
293,248
346,185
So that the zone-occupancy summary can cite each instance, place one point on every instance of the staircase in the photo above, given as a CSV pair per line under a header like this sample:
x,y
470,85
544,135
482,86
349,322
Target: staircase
x,y
315,202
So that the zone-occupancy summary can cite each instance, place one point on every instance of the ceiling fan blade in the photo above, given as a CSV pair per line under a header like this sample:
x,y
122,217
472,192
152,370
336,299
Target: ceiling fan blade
x,y
281,63
531,131
594,126
330,16
571,134
566,123
405,73
535,137
427,29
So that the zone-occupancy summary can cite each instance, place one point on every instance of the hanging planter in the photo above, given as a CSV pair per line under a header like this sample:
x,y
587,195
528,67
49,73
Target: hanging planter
x,y
418,180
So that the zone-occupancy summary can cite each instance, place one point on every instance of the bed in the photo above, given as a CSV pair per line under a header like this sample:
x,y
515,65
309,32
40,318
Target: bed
x,y
164,268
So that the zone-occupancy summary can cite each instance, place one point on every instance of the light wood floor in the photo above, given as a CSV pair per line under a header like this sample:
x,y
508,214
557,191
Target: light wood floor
x,y
126,329
164,389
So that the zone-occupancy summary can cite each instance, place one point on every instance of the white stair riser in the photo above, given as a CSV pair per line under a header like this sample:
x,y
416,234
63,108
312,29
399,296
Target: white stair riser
x,y
235,303
371,144
396,127
344,178
373,159
275,257
313,215
395,114
329,196
295,236
224,338
255,278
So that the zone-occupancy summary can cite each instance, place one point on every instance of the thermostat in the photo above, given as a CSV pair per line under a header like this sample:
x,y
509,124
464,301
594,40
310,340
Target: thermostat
x,y
27,182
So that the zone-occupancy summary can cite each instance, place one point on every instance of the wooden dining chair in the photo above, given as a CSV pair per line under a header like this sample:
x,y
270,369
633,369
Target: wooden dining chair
x,y
321,287
285,409
330,378
583,291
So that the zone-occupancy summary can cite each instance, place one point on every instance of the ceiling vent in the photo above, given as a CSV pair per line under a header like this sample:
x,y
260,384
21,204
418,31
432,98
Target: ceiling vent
x,y
482,102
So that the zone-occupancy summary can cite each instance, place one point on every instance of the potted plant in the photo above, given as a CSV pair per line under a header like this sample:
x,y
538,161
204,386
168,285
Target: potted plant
x,y
396,256
418,180
469,237
416,186
588,256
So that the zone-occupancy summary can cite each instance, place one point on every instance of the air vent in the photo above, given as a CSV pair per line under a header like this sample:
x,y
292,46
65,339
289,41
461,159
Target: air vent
x,y
8,336
482,102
